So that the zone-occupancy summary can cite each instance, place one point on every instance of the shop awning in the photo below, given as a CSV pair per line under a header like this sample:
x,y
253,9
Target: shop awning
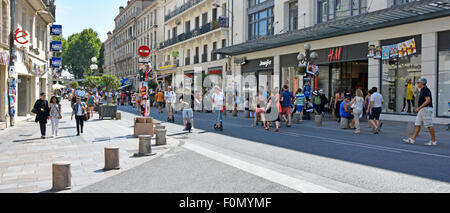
x,y
164,76
124,87
396,15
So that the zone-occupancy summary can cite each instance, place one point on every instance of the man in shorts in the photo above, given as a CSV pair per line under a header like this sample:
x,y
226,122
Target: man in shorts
x,y
424,113
286,101
375,108
186,101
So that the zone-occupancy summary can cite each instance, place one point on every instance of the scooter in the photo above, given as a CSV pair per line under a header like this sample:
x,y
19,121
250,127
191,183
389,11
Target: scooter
x,y
218,127
189,126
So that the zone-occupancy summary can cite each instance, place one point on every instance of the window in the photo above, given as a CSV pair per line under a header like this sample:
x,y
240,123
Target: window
x,y
252,3
204,19
443,96
338,9
399,2
293,16
261,24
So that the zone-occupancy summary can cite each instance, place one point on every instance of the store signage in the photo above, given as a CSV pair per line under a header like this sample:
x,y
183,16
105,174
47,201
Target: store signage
x,y
402,49
56,30
56,46
144,51
56,62
266,63
144,60
21,36
335,54
215,72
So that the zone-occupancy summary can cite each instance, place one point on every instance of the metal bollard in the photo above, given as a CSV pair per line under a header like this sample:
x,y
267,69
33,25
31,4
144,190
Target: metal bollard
x,y
145,146
344,123
161,137
61,176
111,158
118,116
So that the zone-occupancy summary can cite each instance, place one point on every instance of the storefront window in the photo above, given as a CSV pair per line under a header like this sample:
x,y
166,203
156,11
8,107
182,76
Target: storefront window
x,y
398,77
443,100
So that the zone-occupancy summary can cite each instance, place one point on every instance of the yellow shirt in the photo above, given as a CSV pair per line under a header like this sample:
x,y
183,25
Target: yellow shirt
x,y
159,97
409,92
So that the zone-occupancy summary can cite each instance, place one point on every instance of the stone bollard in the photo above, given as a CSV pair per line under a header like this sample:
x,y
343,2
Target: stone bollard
x,y
344,123
161,137
411,128
111,158
318,120
145,146
61,176
118,116
235,113
247,114
296,118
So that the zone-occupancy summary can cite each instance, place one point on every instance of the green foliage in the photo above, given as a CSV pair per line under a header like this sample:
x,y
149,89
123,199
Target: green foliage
x,y
74,84
110,82
80,48
153,84
92,82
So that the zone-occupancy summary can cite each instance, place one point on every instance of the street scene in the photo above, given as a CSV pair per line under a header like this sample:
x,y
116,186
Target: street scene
x,y
225,96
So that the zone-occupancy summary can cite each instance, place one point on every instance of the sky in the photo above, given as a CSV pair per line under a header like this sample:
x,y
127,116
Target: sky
x,y
76,15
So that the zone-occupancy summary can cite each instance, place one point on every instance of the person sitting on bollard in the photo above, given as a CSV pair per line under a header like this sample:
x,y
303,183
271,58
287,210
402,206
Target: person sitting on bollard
x,y
346,111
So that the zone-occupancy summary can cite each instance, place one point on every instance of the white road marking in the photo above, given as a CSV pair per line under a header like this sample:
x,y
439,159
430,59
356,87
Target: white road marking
x,y
276,177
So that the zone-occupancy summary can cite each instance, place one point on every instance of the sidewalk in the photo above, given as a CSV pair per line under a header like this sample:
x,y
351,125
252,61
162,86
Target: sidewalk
x,y
26,160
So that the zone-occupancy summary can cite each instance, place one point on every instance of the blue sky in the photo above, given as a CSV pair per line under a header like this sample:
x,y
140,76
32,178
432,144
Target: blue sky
x,y
76,15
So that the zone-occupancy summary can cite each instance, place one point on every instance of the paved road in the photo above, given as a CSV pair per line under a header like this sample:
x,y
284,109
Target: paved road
x,y
303,158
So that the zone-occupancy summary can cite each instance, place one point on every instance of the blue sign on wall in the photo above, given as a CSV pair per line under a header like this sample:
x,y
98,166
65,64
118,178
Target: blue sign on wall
x,y
56,62
56,30
56,46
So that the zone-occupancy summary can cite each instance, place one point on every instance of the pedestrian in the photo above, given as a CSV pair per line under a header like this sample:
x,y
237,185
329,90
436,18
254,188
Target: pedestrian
x,y
337,106
424,113
300,102
74,100
375,108
357,106
286,101
261,102
346,112
55,115
273,110
218,103
186,102
159,100
169,98
91,104
316,103
79,112
42,111
323,101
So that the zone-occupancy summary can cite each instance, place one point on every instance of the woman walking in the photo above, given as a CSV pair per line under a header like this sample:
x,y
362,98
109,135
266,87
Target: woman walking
x,y
338,98
42,113
55,115
260,108
357,105
91,103
79,109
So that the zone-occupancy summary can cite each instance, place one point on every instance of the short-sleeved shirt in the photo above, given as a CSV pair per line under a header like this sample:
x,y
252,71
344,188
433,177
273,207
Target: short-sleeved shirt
x,y
342,112
170,96
287,97
377,99
300,99
218,100
190,101
425,92
159,97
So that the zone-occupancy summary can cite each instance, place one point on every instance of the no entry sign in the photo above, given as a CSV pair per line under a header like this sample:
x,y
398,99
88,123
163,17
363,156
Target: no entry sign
x,y
144,51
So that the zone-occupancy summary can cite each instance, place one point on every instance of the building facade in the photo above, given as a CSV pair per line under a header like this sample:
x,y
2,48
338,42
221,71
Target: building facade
x,y
341,32
32,71
135,25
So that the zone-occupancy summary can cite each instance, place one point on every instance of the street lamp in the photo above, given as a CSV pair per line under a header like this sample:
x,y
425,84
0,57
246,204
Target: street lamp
x,y
307,59
217,5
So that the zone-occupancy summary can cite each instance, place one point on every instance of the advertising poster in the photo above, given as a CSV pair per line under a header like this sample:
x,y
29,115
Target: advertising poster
x,y
385,52
144,72
371,51
143,88
377,52
393,51
400,50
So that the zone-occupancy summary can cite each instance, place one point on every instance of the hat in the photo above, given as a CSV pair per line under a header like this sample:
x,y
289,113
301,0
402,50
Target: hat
x,y
422,80
315,93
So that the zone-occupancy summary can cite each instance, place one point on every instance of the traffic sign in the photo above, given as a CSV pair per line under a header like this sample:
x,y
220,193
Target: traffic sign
x,y
144,51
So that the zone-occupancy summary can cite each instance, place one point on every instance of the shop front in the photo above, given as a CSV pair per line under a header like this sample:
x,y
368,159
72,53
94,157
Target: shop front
x,y
340,69
443,87
258,74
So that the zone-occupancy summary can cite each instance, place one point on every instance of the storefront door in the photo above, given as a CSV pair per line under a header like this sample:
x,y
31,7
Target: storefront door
x,y
23,102
265,80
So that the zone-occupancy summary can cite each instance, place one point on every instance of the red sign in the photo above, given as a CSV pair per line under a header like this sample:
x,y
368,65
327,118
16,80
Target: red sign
x,y
335,54
20,34
215,72
144,51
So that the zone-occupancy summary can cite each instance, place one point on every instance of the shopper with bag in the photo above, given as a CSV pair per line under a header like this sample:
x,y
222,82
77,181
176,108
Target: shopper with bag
x,y
55,115
42,111
79,110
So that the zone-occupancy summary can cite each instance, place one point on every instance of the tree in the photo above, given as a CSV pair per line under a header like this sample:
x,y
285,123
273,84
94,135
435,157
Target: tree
x,y
81,47
92,82
110,82
74,85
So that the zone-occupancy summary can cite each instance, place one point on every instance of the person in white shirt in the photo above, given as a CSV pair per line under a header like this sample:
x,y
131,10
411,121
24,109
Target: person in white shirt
x,y
357,105
218,101
169,98
375,108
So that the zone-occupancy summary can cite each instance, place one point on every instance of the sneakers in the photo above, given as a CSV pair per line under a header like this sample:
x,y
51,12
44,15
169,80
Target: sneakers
x,y
409,141
431,143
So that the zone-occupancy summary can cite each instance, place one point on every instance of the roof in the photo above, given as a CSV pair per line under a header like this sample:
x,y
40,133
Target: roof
x,y
396,15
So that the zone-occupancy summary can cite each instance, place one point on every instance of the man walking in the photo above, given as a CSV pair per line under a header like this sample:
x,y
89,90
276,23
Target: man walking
x,y
42,110
425,113
286,101
375,108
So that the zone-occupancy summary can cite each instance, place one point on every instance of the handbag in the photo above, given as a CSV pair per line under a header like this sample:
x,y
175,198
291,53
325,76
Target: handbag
x,y
86,116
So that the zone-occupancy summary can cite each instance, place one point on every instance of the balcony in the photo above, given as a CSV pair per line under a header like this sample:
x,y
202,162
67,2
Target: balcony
x,y
169,64
182,8
196,59
194,33
51,7
204,58
187,61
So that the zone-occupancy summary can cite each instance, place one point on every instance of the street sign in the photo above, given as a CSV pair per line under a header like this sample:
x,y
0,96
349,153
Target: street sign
x,y
56,30
56,46
144,51
56,62
144,60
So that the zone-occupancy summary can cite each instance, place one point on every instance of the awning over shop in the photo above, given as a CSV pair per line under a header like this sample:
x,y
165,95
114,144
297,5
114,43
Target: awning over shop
x,y
124,87
396,15
164,76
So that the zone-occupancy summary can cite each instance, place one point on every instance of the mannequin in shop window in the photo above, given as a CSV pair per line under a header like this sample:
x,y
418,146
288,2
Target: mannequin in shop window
x,y
410,92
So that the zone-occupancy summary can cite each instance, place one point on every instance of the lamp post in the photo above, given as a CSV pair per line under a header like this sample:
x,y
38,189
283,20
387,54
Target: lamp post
x,y
12,53
307,59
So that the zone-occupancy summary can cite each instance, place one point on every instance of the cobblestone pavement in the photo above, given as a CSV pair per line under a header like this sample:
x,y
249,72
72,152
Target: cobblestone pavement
x,y
26,159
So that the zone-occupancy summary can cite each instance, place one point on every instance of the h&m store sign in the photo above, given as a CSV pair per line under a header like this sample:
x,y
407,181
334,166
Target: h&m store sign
x,y
343,53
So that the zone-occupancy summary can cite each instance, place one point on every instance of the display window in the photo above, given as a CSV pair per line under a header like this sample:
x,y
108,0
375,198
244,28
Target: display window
x,y
443,91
